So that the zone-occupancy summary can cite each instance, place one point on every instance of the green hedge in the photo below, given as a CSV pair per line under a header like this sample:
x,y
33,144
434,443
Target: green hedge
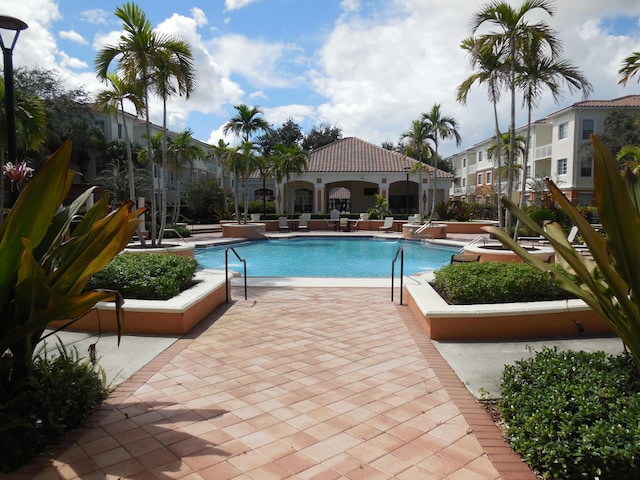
x,y
146,276
495,282
574,414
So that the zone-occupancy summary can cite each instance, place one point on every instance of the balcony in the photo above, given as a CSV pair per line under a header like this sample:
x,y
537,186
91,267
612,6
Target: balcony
x,y
542,152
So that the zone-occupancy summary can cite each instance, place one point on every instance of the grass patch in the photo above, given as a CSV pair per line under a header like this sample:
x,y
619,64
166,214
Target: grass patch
x,y
146,276
574,414
495,282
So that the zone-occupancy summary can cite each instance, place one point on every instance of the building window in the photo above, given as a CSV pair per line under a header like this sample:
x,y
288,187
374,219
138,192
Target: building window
x,y
562,166
586,167
587,128
100,125
527,172
585,198
479,156
563,131
488,178
120,132
464,182
464,162
479,199
479,179
488,199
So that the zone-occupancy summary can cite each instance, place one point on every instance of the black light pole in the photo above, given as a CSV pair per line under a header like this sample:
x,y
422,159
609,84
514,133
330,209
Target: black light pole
x,y
406,169
16,26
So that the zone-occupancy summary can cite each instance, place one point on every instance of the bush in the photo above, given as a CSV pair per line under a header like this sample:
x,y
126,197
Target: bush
x,y
146,276
574,414
60,396
455,210
183,231
495,282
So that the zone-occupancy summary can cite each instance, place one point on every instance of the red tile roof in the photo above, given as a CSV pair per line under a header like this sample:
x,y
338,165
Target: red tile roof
x,y
351,155
629,101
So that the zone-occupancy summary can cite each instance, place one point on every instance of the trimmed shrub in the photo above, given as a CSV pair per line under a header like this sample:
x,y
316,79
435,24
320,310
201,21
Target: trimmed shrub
x,y
495,282
60,396
574,414
146,276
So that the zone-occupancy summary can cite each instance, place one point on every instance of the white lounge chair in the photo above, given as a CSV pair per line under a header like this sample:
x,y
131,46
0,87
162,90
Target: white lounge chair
x,y
303,222
387,226
283,224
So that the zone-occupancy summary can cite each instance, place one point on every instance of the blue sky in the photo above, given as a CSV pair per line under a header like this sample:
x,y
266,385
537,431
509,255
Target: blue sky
x,y
369,66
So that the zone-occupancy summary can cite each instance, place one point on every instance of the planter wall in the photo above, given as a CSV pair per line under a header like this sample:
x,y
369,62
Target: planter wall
x,y
175,316
545,254
468,227
252,231
183,250
442,321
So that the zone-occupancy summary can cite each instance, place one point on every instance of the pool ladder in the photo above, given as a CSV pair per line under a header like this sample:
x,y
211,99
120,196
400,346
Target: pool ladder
x,y
399,252
226,271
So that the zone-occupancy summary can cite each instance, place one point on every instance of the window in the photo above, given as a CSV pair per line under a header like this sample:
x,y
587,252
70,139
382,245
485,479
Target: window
x,y
100,124
488,178
563,131
479,182
527,172
562,166
585,198
464,182
479,156
586,166
194,175
479,199
488,200
120,131
587,128
464,162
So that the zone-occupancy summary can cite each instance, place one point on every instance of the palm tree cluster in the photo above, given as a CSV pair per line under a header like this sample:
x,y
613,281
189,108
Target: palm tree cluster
x,y
515,55
417,142
148,62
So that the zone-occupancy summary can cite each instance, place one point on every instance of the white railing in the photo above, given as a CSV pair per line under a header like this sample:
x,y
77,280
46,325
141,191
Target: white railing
x,y
542,152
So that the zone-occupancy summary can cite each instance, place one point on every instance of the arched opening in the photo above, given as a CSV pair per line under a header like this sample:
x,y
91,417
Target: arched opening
x,y
340,199
303,201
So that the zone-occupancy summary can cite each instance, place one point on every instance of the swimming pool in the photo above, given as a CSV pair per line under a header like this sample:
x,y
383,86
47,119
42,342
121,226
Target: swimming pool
x,y
327,257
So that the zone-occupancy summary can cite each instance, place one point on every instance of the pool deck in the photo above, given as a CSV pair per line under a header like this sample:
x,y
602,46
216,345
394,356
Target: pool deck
x,y
296,382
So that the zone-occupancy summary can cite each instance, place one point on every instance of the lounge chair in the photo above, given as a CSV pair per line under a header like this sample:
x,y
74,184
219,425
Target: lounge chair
x,y
303,222
333,219
283,224
344,224
387,226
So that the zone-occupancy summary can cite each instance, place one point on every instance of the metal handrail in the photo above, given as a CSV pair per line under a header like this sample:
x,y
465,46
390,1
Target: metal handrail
x,y
474,241
400,252
226,271
176,232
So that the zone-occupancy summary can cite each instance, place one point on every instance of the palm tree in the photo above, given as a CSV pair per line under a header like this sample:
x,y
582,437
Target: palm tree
x,y
629,68
149,59
221,152
439,127
31,121
288,160
490,70
183,149
539,72
246,123
415,141
110,100
510,28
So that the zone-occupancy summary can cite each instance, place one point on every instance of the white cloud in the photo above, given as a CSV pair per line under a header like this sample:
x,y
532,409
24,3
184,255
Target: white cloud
x,y
73,36
96,16
299,113
69,62
199,16
237,4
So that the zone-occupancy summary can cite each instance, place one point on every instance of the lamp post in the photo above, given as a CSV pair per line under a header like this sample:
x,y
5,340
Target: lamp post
x,y
406,170
15,26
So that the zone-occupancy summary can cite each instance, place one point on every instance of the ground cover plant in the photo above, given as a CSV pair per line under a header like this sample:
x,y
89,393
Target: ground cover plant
x,y
60,395
574,414
495,282
146,276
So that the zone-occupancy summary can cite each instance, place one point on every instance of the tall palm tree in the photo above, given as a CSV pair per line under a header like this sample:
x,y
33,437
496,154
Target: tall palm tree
x,y
538,72
221,152
440,127
490,70
112,99
246,123
183,149
415,142
630,67
287,161
140,53
509,26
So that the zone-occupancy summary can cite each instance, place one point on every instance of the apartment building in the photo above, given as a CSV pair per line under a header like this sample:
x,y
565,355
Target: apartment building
x,y
559,149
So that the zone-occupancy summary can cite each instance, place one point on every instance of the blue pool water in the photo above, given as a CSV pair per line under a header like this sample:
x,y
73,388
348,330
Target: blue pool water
x,y
326,257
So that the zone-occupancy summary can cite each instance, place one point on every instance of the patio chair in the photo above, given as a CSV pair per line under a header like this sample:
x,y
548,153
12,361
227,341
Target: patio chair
x,y
387,226
303,222
283,224
333,219
344,224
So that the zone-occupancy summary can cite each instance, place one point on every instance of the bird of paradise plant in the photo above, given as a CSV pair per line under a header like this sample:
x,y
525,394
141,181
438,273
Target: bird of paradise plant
x,y
610,283
45,263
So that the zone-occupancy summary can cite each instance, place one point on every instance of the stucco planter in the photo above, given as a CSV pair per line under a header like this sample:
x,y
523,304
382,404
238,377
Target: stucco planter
x,y
442,321
498,253
252,231
175,316
436,230
474,227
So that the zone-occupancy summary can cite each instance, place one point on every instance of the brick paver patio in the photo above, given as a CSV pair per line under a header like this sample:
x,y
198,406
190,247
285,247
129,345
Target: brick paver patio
x,y
301,383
